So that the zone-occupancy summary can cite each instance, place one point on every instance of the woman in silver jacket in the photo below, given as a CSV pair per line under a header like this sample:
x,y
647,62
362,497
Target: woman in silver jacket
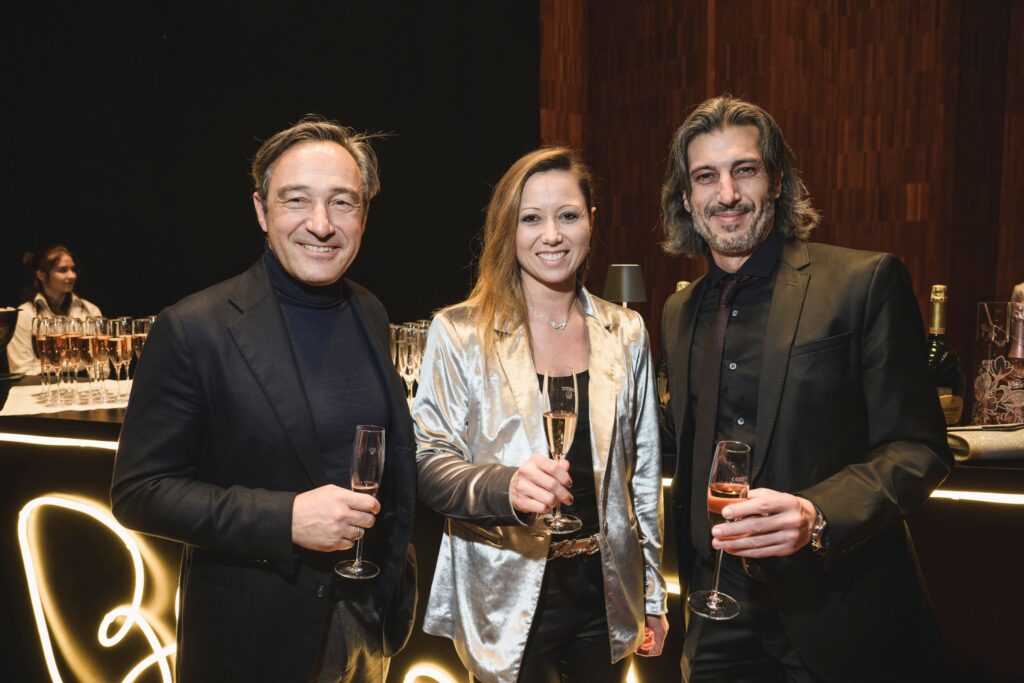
x,y
518,603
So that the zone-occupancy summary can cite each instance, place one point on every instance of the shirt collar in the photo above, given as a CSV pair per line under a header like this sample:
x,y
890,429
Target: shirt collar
x,y
761,263
291,291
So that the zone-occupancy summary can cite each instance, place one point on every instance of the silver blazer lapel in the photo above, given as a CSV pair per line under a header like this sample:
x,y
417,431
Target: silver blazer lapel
x,y
606,377
783,318
516,362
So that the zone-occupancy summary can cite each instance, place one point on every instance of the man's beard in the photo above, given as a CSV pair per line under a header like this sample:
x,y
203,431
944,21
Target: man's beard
x,y
740,241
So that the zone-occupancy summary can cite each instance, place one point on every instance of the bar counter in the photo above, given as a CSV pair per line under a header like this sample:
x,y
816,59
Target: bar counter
x,y
89,574
108,595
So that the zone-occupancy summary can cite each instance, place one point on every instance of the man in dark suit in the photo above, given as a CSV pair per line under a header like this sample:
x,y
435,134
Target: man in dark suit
x,y
822,371
238,438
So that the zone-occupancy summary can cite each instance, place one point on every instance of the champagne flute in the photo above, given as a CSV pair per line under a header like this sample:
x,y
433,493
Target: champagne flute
x,y
90,350
409,357
119,347
79,356
367,467
49,330
560,401
103,359
38,342
728,483
396,333
140,331
62,343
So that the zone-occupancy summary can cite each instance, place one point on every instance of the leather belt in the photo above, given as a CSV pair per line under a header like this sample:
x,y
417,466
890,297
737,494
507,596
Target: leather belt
x,y
588,545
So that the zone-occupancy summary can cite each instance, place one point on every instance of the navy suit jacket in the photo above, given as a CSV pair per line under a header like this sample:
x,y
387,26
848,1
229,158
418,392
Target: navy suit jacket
x,y
846,417
217,441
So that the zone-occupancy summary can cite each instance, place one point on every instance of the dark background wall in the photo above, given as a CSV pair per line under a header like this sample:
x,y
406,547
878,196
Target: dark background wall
x,y
906,117
129,129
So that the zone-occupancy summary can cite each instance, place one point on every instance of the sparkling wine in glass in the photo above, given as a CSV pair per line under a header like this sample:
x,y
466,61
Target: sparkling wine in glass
x,y
367,467
38,342
410,355
47,331
102,327
119,349
79,358
62,345
90,352
396,333
140,331
560,404
728,483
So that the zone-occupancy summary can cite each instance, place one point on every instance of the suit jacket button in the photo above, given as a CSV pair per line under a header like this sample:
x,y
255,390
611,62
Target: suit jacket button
x,y
322,591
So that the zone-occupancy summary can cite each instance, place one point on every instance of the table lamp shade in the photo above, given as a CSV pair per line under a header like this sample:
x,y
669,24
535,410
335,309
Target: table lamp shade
x,y
625,283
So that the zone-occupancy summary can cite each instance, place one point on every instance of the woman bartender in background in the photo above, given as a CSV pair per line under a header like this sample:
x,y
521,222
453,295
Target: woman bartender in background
x,y
518,603
50,293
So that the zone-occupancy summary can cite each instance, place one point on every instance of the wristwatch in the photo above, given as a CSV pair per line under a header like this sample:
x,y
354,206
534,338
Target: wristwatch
x,y
819,544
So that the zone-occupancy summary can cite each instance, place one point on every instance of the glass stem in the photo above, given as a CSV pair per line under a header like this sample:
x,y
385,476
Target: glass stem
x,y
359,553
558,504
714,584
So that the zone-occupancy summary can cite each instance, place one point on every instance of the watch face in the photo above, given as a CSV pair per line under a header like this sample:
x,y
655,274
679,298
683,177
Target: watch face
x,y
818,532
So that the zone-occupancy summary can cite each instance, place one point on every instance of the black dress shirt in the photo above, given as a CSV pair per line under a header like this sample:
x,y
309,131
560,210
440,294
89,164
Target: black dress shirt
x,y
741,359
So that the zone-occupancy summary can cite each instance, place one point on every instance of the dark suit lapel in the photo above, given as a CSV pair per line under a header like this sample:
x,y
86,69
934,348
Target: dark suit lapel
x,y
678,333
783,318
262,339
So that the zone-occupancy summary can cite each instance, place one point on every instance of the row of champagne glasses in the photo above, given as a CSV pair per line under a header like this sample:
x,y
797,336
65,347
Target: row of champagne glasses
x,y
408,341
66,347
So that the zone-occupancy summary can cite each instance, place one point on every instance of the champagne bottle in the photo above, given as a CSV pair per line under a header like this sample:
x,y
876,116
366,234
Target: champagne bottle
x,y
1015,355
944,365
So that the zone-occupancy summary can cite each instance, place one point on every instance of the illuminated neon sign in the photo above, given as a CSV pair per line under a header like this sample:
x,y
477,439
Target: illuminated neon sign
x,y
109,634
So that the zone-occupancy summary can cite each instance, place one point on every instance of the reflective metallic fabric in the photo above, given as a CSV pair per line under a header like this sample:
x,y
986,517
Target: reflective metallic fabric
x,y
477,419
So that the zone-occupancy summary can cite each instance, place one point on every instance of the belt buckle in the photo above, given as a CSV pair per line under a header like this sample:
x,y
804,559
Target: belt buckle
x,y
574,547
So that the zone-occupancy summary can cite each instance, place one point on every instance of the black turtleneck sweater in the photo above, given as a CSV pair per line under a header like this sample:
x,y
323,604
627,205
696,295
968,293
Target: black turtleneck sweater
x,y
343,384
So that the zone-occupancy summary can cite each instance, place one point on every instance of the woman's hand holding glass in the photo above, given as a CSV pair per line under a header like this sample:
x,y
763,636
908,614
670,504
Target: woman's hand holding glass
x,y
540,483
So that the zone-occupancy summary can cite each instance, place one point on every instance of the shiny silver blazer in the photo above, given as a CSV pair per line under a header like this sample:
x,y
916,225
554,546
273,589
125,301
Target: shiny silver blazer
x,y
477,418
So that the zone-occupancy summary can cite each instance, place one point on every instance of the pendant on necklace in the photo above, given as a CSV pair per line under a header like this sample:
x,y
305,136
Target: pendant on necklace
x,y
558,326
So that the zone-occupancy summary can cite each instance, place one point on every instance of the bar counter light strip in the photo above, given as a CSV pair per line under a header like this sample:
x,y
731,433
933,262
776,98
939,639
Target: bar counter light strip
x,y
37,440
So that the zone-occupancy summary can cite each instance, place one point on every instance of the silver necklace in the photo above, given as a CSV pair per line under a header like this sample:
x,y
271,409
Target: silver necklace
x,y
554,324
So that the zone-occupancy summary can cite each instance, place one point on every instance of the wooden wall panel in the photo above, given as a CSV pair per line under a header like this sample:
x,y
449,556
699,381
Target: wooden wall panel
x,y
880,100
1010,268
563,72
645,70
977,168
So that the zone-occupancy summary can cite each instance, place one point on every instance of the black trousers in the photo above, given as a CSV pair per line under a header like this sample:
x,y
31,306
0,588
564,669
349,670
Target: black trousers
x,y
569,637
752,648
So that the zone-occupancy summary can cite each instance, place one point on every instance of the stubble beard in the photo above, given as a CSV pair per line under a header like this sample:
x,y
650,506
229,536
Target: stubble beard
x,y
739,241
